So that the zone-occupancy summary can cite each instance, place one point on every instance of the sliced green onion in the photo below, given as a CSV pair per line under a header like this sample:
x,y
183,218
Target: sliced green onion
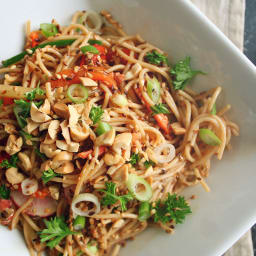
x,y
89,48
209,137
93,41
153,89
79,90
142,193
102,128
49,29
79,222
79,253
214,110
144,211
19,57
92,247
120,100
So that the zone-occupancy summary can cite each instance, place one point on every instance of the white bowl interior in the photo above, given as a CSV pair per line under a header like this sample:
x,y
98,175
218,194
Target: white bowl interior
x,y
220,217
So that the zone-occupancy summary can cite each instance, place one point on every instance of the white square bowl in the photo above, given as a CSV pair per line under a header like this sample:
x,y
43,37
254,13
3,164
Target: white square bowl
x,y
220,217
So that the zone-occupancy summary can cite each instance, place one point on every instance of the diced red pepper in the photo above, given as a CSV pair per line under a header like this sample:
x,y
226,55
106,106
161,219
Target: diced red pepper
x,y
127,52
7,101
41,193
4,204
82,61
34,36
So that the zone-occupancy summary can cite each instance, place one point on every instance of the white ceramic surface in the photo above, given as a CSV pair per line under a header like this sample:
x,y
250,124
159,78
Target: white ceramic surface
x,y
219,218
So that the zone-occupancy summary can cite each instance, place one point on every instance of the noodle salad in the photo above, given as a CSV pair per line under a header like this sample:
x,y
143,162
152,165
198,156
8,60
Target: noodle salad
x,y
99,134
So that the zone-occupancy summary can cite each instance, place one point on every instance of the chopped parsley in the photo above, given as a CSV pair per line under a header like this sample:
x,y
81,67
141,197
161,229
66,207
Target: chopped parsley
x,y
182,73
156,58
56,229
172,208
111,197
22,111
96,114
10,163
159,108
4,192
135,158
149,163
48,175
37,91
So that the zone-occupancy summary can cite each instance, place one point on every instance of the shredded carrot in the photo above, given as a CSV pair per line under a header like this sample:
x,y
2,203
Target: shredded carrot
x,y
108,79
162,121
85,154
139,94
102,150
72,77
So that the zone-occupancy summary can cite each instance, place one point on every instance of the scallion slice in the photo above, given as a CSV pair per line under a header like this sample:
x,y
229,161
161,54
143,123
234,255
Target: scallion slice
x,y
102,128
77,93
19,57
153,89
214,110
49,29
139,188
209,137
93,41
79,222
92,247
89,48
144,211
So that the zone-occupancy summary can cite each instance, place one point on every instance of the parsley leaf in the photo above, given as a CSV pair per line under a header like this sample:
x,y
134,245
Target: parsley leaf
x,y
1,102
22,111
96,114
135,158
172,208
48,175
37,91
156,58
4,192
10,163
159,108
111,198
56,229
183,73
149,163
